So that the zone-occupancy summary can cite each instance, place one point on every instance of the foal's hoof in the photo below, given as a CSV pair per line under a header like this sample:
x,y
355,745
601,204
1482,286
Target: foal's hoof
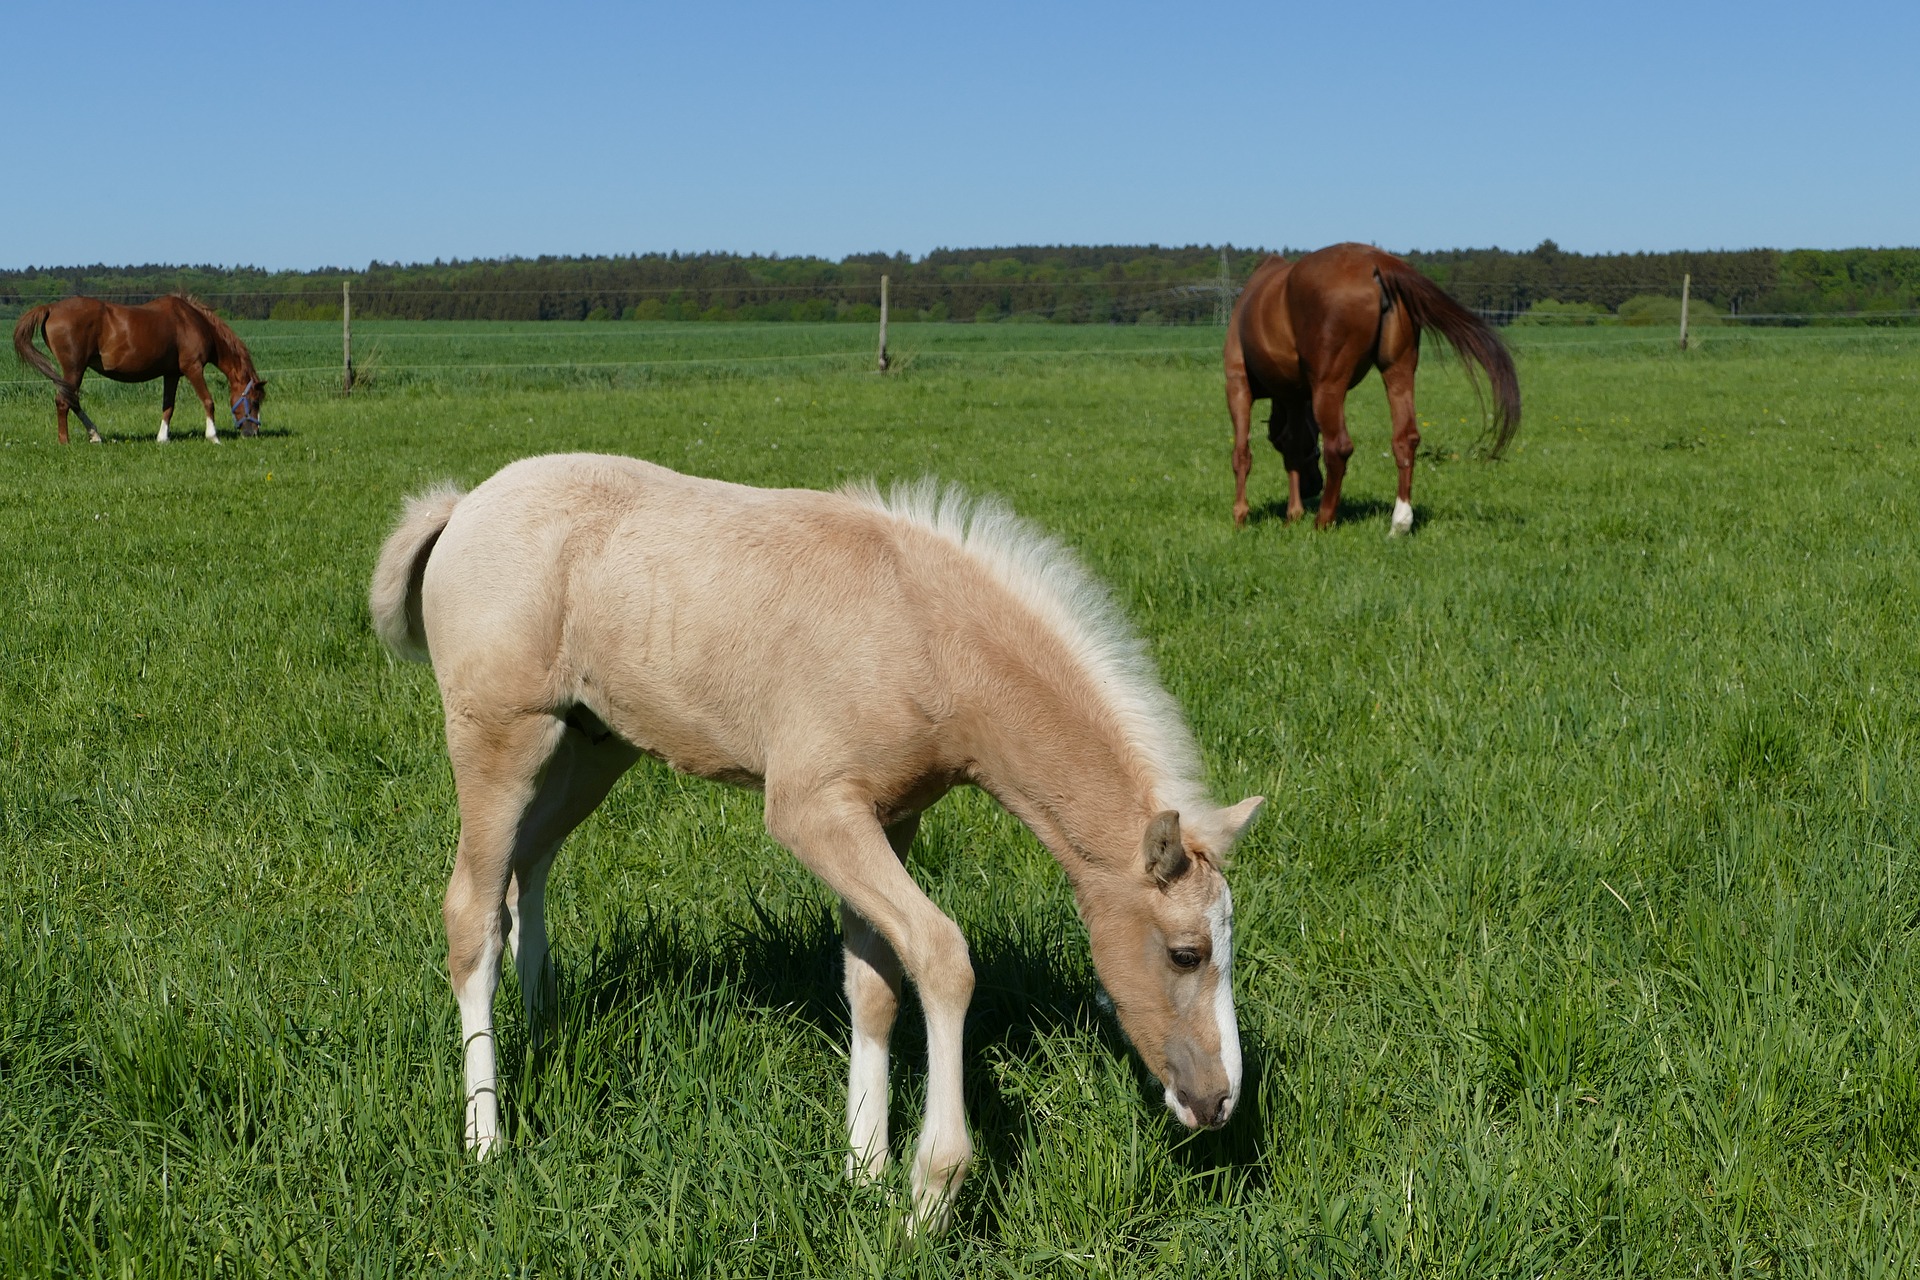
x,y
1402,519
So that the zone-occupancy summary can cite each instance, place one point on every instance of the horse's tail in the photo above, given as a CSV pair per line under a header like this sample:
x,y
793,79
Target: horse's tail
x,y
1472,339
395,598
29,326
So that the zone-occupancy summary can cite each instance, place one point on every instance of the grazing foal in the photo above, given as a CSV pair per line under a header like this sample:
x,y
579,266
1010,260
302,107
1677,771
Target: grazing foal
x,y
855,657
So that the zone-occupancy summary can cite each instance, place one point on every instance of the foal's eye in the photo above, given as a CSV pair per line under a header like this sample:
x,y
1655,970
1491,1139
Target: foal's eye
x,y
1184,958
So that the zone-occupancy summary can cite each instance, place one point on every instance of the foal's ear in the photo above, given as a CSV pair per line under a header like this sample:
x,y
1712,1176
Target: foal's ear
x,y
1167,858
1235,821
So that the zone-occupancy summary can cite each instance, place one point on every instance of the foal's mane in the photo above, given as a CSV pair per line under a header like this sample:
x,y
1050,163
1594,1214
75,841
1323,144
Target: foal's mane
x,y
225,338
1047,577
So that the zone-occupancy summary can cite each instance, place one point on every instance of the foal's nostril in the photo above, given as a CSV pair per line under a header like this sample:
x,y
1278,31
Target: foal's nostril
x,y
1209,1110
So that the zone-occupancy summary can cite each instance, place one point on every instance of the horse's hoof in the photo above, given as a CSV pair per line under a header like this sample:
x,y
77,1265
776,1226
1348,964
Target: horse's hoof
x,y
1402,519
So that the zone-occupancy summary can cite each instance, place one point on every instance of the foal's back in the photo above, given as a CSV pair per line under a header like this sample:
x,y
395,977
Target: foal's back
x,y
711,624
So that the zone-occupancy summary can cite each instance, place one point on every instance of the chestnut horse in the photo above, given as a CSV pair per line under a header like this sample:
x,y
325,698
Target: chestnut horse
x,y
854,657
1306,332
172,337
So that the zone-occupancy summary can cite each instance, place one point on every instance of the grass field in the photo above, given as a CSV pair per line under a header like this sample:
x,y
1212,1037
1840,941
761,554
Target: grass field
x,y
1579,938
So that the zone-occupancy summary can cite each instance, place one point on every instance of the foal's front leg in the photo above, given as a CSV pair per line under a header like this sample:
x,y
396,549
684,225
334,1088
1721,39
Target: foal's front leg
x,y
841,841
873,996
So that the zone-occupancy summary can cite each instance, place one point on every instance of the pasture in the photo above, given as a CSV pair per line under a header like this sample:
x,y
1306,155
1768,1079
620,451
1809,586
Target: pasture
x,y
1578,937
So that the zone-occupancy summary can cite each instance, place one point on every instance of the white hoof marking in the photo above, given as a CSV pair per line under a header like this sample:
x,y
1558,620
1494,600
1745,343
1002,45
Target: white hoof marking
x,y
1402,517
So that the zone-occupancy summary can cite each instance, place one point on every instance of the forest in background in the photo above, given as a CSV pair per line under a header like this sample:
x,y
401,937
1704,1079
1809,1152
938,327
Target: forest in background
x,y
1120,284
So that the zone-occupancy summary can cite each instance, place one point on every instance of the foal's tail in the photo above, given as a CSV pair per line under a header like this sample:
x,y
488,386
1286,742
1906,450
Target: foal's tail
x,y
395,598
25,330
1472,338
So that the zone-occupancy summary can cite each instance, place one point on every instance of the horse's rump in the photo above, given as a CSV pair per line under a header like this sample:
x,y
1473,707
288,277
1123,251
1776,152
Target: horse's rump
x,y
32,324
1428,306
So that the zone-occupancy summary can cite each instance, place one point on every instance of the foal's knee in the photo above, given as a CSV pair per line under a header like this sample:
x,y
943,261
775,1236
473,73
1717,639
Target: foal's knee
x,y
872,985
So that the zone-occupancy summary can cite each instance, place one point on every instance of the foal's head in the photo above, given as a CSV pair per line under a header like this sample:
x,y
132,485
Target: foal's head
x,y
1162,936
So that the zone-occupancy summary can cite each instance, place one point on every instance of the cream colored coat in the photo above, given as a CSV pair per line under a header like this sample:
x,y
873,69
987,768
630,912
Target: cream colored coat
x,y
854,657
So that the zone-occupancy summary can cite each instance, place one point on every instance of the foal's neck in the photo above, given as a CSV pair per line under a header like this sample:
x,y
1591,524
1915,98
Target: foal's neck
x,y
1064,770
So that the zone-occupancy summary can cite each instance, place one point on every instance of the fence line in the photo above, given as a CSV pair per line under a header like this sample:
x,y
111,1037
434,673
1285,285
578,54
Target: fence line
x,y
862,356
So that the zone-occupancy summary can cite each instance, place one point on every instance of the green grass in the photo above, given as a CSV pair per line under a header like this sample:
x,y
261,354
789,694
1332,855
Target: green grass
x,y
1578,939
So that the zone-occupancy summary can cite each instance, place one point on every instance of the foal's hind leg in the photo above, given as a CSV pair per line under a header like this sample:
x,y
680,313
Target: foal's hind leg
x,y
873,995
575,781
496,770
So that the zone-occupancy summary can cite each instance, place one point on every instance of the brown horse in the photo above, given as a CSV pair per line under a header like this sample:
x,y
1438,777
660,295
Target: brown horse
x,y
1304,333
172,337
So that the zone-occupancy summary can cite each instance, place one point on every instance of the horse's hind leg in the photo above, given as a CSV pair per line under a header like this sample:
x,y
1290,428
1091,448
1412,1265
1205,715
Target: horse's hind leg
x,y
1406,434
1240,408
169,388
68,398
873,996
1336,446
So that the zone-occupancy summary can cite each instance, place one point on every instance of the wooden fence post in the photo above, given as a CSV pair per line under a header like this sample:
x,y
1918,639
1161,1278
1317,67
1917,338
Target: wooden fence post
x,y
883,362
1686,287
346,337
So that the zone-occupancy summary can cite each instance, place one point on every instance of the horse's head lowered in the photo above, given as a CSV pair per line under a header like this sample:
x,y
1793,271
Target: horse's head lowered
x,y
1162,937
247,402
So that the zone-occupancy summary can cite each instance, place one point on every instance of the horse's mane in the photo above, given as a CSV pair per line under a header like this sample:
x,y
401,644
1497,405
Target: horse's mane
x,y
227,340
1049,579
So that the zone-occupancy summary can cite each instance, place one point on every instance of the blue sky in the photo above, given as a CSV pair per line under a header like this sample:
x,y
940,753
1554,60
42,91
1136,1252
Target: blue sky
x,y
299,135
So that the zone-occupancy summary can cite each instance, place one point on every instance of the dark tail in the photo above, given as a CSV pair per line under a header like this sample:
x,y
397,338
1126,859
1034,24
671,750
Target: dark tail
x,y
1472,339
25,330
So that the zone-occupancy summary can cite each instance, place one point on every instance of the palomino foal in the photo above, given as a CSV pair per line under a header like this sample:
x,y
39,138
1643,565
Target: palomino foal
x,y
855,657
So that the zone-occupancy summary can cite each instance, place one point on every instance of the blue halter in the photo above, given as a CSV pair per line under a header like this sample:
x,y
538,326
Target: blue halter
x,y
243,414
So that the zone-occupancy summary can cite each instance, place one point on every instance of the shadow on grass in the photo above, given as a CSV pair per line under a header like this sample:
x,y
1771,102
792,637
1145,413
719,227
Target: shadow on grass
x,y
195,436
1030,982
1352,511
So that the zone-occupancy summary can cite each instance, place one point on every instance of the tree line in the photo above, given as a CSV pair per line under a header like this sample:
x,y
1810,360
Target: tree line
x,y
1120,284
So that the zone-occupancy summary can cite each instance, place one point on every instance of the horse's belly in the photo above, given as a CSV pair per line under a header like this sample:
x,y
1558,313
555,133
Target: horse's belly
x,y
705,750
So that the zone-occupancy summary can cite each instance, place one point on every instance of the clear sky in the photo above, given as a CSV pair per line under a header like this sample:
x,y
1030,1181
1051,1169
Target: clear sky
x,y
299,135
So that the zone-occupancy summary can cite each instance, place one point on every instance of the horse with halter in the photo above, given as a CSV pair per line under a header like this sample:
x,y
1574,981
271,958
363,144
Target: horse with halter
x,y
1304,333
172,338
854,657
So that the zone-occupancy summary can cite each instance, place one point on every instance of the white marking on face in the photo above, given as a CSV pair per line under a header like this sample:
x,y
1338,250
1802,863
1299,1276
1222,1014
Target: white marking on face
x,y
1220,924
1402,517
